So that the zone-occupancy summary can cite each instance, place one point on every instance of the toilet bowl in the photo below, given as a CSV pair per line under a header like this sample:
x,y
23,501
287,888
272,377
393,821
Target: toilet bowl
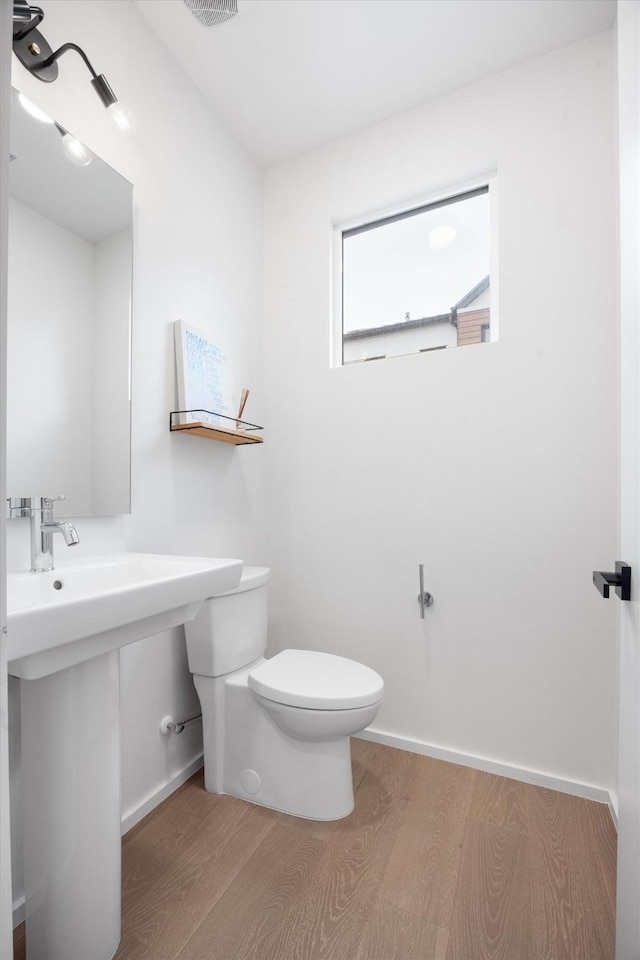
x,y
276,732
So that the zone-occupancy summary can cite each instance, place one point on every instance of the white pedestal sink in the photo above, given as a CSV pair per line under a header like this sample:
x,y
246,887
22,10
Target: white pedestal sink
x,y
64,629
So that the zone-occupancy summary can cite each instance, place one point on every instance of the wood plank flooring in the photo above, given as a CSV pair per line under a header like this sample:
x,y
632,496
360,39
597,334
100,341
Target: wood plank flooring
x,y
437,862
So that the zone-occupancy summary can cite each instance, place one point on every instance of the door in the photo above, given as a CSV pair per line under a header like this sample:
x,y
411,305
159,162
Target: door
x,y
628,916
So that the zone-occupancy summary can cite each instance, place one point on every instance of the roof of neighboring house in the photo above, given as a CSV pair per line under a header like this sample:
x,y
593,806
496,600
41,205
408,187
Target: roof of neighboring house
x,y
473,294
422,321
397,327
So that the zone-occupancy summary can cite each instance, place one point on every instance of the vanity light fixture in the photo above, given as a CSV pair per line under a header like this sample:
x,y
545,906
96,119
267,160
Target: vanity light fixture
x,y
34,53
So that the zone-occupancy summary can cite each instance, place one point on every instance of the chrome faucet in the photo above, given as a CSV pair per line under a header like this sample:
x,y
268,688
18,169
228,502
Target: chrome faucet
x,y
43,526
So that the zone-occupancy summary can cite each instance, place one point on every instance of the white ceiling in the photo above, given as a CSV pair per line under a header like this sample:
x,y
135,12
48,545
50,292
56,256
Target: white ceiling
x,y
287,76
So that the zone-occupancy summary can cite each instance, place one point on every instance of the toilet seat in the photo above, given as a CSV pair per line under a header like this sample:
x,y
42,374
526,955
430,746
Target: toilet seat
x,y
316,681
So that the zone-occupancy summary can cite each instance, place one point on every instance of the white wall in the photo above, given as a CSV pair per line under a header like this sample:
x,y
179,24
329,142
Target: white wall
x,y
197,250
494,465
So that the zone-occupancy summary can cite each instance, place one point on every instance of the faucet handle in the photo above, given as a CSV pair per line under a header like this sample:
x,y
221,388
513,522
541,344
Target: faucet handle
x,y
24,506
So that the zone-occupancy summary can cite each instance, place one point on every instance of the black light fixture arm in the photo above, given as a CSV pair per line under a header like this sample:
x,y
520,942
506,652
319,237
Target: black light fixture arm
x,y
99,82
41,61
64,49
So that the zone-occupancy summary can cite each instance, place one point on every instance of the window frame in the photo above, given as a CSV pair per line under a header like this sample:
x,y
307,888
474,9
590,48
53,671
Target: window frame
x,y
344,228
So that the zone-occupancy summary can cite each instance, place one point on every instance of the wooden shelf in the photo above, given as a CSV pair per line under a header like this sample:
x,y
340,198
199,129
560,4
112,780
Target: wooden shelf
x,y
211,431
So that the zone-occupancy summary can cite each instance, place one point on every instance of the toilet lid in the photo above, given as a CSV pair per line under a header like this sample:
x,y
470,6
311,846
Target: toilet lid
x,y
320,681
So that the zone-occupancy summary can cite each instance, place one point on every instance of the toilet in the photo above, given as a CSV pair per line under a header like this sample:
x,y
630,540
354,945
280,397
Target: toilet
x,y
276,732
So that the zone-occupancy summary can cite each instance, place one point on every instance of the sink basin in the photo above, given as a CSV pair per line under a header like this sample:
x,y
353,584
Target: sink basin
x,y
83,609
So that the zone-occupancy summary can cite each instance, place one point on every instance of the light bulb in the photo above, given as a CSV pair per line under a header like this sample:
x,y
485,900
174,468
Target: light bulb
x,y
34,111
75,151
122,117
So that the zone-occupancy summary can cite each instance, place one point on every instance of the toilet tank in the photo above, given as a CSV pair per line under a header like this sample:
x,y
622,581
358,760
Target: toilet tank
x,y
230,630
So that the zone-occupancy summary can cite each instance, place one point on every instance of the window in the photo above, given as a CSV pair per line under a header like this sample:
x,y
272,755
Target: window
x,y
417,281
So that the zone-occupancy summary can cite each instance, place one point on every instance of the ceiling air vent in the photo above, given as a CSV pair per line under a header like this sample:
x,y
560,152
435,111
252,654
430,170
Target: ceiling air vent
x,y
211,13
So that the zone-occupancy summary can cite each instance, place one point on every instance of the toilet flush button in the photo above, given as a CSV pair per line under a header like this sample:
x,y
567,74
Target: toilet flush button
x,y
250,781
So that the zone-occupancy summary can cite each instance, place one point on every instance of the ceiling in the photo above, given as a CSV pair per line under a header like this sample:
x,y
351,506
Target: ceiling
x,y
288,76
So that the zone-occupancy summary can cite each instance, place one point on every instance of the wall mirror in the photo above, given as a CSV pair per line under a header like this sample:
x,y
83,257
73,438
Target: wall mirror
x,y
69,322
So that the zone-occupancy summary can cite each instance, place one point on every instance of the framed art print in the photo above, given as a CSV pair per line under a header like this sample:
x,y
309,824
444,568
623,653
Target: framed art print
x,y
203,376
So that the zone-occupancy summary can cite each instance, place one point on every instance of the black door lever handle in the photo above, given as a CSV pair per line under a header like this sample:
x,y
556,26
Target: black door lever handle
x,y
621,580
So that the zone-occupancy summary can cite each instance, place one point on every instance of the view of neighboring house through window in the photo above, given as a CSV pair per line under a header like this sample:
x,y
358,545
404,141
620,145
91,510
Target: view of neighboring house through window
x,y
417,281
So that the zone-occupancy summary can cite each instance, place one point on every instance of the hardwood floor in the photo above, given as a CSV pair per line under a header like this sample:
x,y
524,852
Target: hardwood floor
x,y
437,862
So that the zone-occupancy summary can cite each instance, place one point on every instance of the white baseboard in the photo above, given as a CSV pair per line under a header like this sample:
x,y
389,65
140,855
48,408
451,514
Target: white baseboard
x,y
18,911
136,814
535,777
